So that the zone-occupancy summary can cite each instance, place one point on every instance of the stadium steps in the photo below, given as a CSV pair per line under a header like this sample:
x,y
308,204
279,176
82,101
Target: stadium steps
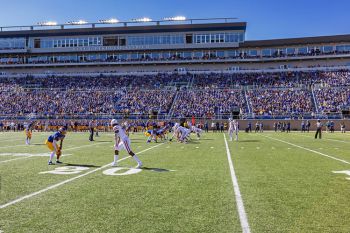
x,y
315,101
190,84
248,102
170,114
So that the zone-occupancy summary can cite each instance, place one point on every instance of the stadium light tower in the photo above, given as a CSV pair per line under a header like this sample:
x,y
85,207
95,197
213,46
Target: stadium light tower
x,y
176,18
109,21
78,22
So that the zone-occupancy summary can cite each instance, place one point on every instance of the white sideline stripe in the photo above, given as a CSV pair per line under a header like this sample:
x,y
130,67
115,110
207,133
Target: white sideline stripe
x,y
240,206
68,181
9,160
12,140
71,148
335,140
329,139
304,148
12,146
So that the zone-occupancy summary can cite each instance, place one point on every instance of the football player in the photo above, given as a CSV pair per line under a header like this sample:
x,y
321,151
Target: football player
x,y
163,132
122,141
233,129
28,131
181,133
151,134
52,144
197,131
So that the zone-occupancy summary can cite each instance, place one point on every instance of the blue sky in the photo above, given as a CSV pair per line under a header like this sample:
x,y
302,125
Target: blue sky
x,y
266,19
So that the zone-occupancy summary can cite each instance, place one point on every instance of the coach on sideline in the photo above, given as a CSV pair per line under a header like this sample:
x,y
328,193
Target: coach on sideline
x,y
92,125
318,129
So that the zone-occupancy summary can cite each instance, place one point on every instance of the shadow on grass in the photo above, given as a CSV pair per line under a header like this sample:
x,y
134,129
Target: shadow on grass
x,y
155,169
249,141
79,165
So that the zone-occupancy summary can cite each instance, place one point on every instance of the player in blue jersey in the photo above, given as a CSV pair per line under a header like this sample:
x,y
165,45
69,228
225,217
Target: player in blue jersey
x,y
54,147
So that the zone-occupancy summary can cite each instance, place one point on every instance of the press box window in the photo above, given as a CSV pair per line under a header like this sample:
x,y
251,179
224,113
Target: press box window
x,y
122,42
110,41
189,38
37,43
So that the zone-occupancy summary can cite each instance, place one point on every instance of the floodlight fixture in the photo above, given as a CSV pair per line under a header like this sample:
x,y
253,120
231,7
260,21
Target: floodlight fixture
x,y
77,22
109,21
176,18
144,19
47,23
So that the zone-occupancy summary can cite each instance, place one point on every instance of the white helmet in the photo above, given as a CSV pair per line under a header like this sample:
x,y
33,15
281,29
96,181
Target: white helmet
x,y
230,119
114,122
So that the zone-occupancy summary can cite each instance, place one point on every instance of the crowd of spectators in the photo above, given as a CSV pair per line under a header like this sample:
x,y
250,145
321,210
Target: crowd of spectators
x,y
331,100
97,83
279,102
204,95
331,79
56,102
208,103
142,102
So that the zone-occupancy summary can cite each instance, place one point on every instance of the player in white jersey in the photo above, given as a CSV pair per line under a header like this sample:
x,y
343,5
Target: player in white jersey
x,y
125,125
180,132
175,132
197,131
184,133
233,129
189,124
122,141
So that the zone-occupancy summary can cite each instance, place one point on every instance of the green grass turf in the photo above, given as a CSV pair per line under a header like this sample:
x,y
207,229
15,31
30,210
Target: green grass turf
x,y
284,188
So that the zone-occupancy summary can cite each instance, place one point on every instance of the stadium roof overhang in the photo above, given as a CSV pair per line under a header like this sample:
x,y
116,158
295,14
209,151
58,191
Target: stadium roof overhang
x,y
296,41
198,27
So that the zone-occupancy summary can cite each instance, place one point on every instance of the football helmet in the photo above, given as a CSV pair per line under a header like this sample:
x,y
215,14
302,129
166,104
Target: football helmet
x,y
114,122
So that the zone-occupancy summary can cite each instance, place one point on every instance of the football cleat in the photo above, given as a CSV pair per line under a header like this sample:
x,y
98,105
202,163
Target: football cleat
x,y
51,163
139,166
114,164
58,162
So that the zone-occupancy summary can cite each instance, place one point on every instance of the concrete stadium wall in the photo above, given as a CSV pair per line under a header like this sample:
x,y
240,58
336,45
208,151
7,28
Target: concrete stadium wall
x,y
295,124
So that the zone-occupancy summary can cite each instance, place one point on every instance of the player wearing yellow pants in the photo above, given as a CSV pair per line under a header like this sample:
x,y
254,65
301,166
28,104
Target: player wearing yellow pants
x,y
51,143
28,132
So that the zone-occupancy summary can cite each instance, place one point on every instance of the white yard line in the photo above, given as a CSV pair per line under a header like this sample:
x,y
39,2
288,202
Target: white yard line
x,y
78,147
72,148
68,181
12,146
9,160
304,148
12,140
239,201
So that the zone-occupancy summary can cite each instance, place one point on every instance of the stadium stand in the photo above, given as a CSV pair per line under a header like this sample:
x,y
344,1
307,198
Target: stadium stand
x,y
213,95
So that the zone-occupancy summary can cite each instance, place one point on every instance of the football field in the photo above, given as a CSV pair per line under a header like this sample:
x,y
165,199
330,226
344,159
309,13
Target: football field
x,y
265,182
